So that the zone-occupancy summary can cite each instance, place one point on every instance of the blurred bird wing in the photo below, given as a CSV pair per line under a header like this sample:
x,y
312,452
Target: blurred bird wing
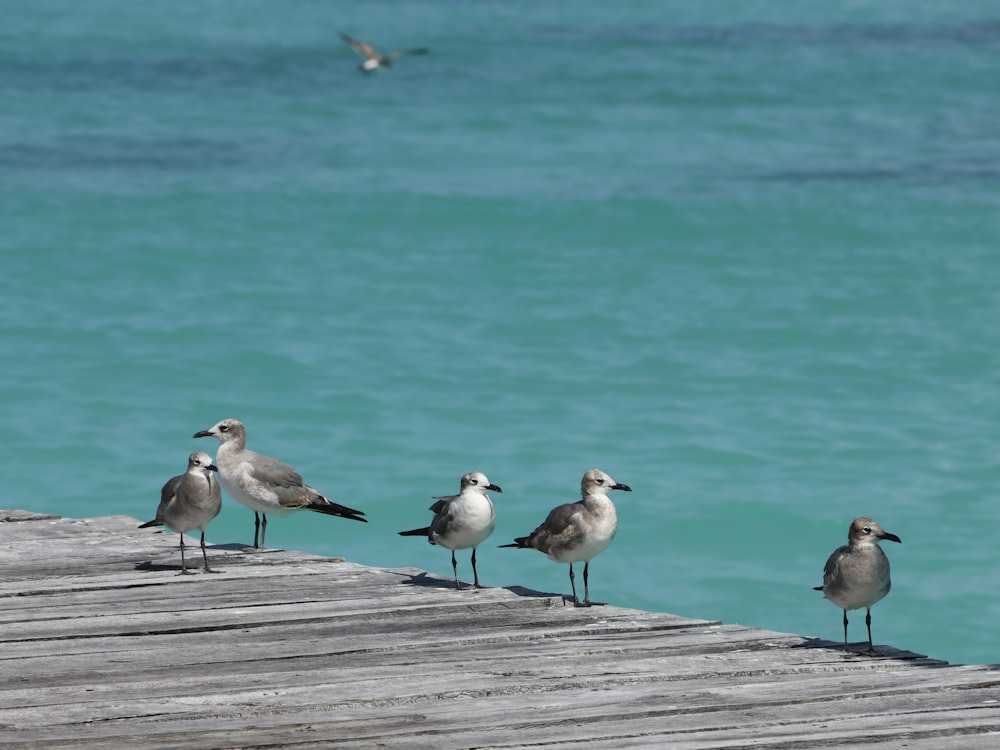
x,y
366,51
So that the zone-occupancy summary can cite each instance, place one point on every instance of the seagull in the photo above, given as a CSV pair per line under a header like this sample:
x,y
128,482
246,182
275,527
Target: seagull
x,y
857,574
265,485
189,501
578,532
374,59
463,520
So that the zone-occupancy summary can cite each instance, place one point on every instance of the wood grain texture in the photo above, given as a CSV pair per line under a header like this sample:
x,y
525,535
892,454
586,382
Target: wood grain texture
x,y
103,645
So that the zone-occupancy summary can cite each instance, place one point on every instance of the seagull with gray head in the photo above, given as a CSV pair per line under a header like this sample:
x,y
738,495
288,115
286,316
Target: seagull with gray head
x,y
189,501
373,59
463,520
578,532
857,573
265,485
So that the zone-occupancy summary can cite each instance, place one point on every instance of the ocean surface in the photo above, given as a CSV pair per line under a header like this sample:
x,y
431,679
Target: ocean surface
x,y
743,256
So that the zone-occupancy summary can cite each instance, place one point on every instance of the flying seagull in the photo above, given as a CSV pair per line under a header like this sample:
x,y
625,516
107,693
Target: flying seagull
x,y
374,59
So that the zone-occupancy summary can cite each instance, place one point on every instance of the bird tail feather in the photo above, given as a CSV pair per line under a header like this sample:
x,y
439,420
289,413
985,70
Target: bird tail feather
x,y
335,509
520,542
416,532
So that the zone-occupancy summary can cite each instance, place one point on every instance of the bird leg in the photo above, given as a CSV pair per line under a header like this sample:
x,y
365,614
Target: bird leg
x,y
184,570
868,622
475,573
454,567
204,554
263,528
572,583
586,589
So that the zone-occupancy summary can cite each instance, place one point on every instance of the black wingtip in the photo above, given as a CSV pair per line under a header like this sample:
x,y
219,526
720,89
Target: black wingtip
x,y
416,532
341,511
519,542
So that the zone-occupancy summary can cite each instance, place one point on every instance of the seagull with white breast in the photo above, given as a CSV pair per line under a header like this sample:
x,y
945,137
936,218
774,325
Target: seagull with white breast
x,y
265,485
463,520
373,59
578,532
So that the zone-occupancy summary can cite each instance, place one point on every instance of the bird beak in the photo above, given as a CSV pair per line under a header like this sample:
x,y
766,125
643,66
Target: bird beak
x,y
621,487
212,467
203,433
891,537
494,487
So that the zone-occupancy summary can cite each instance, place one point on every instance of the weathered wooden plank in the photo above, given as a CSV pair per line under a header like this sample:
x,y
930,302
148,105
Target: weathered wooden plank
x,y
109,647
503,675
502,717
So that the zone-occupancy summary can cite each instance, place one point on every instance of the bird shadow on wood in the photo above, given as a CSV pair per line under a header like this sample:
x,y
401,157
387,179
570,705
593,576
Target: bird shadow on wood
x,y
532,594
428,580
149,565
859,650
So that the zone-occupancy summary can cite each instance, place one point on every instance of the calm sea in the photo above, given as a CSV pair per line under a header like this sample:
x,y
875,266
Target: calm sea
x,y
743,256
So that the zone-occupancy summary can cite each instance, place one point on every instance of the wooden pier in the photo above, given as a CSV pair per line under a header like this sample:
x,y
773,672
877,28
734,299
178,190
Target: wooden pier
x,y
104,647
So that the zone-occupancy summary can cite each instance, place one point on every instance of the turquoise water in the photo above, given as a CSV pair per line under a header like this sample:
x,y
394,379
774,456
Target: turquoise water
x,y
742,256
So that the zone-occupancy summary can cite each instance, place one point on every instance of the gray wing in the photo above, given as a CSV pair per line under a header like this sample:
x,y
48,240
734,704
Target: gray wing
x,y
442,503
831,571
281,479
170,488
365,50
274,473
442,515
558,529
167,495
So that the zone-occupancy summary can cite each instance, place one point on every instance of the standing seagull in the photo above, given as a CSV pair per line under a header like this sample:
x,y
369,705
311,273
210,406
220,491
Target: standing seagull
x,y
189,501
578,532
265,485
375,60
463,520
857,574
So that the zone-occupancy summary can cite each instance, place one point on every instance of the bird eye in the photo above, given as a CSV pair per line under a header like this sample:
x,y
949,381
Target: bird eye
x,y
223,428
868,530
474,480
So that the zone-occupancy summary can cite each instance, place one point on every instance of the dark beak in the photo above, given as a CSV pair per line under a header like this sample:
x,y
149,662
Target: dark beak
x,y
212,467
891,537
203,433
494,487
621,487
